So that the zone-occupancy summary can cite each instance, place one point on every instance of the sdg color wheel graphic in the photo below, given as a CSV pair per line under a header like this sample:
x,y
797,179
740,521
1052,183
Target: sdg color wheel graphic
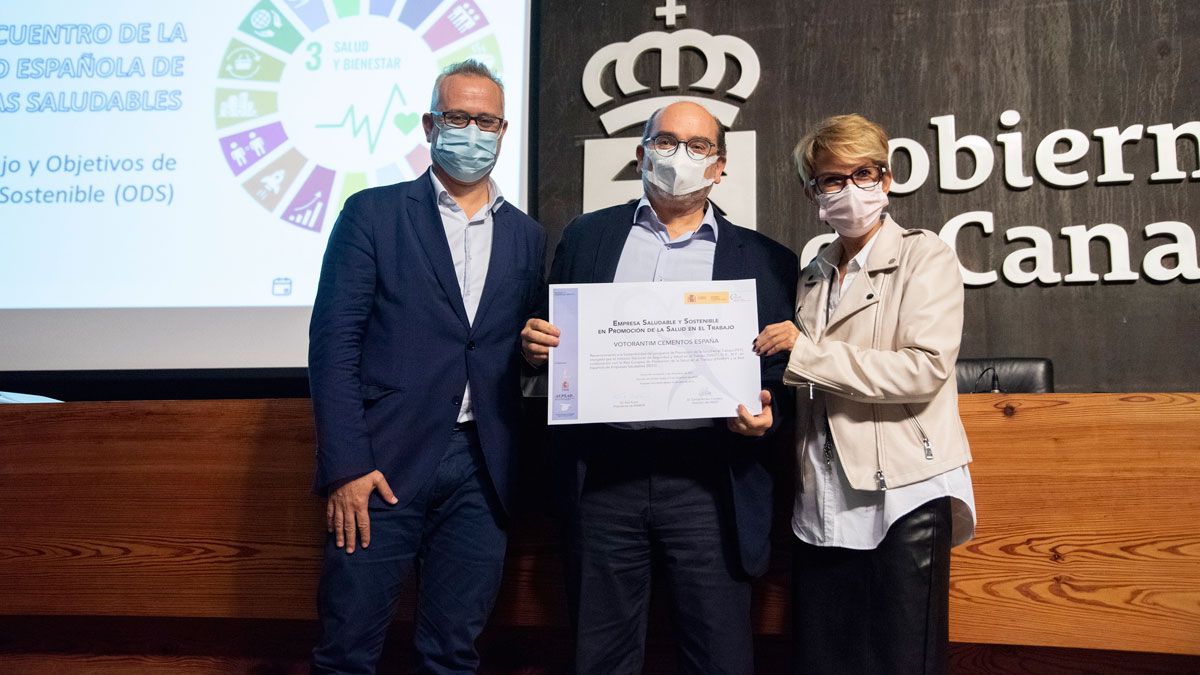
x,y
318,99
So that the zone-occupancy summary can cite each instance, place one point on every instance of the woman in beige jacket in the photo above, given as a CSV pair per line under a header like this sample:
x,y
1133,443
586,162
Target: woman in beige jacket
x,y
883,486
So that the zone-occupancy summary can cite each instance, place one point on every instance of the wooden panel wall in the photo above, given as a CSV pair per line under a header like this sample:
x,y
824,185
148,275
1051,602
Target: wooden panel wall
x,y
1089,531
200,511
165,508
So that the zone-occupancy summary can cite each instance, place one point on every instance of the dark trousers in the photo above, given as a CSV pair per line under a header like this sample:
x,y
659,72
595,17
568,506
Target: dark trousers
x,y
658,501
880,611
450,536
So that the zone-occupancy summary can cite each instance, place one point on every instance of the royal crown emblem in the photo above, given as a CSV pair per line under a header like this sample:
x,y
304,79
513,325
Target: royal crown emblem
x,y
714,48
605,158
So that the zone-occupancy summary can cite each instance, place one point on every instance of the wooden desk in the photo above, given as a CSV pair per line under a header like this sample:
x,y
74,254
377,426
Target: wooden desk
x,y
1089,533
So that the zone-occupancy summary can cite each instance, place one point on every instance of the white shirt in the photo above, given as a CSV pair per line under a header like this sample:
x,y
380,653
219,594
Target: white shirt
x,y
470,240
828,511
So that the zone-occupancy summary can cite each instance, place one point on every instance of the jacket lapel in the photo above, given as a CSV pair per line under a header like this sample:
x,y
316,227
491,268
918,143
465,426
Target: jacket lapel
x,y
500,263
729,259
427,223
612,242
813,294
864,293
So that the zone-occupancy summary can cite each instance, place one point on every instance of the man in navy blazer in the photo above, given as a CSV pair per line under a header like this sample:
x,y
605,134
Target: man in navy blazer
x,y
687,498
415,377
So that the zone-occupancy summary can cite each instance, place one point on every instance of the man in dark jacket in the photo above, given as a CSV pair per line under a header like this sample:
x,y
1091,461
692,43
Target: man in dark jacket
x,y
415,384
689,497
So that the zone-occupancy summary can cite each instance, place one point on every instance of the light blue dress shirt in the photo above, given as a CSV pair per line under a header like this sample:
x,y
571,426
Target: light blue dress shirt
x,y
651,255
470,239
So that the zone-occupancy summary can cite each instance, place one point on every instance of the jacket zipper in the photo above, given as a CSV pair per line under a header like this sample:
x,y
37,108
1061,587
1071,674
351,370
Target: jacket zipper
x,y
880,480
875,341
925,442
804,329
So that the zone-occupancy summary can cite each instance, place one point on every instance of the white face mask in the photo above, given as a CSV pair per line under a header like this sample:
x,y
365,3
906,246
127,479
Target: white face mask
x,y
678,174
853,211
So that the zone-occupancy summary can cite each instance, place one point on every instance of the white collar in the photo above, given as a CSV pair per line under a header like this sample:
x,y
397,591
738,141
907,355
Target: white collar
x,y
856,263
710,216
494,202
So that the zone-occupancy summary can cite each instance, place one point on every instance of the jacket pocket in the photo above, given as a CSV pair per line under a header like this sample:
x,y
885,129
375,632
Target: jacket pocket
x,y
926,444
374,392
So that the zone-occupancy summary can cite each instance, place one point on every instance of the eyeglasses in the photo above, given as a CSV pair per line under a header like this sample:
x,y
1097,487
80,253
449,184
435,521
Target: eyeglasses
x,y
459,120
666,145
865,177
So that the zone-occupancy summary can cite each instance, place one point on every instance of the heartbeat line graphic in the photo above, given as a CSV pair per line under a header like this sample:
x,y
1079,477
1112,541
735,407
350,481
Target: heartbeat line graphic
x,y
359,126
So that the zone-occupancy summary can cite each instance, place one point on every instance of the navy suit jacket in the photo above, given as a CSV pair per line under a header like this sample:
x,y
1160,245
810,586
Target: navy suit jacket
x,y
589,252
391,349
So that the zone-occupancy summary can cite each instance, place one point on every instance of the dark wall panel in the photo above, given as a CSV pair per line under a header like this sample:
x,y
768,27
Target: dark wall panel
x,y
1066,64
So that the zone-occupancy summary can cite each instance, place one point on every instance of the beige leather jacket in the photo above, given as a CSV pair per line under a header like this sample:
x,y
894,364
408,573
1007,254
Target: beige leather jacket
x,y
886,360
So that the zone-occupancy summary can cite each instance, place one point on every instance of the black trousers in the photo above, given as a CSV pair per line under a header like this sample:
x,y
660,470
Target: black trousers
x,y
880,611
656,503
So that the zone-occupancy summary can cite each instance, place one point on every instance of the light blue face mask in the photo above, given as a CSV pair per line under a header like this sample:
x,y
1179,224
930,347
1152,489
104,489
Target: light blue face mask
x,y
467,154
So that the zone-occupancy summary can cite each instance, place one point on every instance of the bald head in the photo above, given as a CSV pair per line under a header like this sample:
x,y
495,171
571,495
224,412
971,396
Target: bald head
x,y
686,120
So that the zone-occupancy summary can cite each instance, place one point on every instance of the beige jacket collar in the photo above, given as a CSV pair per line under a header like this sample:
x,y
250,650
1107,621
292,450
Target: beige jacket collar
x,y
814,282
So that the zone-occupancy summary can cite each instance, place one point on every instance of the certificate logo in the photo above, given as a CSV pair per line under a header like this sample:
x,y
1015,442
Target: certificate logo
x,y
707,298
605,158
564,405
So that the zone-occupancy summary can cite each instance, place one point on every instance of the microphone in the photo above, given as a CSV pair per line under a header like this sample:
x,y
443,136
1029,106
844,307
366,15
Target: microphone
x,y
995,381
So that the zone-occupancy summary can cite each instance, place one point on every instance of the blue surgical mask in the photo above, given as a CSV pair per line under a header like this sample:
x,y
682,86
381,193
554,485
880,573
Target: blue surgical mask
x,y
467,154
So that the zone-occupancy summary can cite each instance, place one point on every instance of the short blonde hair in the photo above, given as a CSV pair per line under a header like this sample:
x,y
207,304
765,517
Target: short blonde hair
x,y
845,137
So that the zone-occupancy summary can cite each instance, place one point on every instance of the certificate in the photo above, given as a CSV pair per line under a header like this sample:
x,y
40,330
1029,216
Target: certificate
x,y
638,352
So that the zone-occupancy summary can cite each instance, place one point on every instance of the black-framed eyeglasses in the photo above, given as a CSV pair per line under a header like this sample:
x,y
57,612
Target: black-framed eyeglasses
x,y
865,177
459,120
666,145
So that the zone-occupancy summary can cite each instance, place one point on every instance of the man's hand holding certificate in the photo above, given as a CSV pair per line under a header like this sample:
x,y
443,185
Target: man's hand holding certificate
x,y
633,352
